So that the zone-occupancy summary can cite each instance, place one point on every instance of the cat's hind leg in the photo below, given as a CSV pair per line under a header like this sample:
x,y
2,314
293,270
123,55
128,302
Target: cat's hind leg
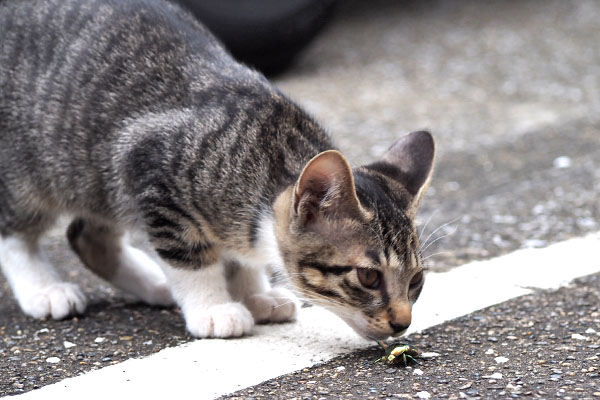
x,y
36,285
106,251
250,284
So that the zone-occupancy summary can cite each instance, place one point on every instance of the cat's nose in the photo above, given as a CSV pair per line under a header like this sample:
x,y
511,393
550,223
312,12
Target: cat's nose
x,y
398,327
400,316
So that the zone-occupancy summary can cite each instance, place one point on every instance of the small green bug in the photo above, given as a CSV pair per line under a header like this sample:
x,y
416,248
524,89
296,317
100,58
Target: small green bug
x,y
403,354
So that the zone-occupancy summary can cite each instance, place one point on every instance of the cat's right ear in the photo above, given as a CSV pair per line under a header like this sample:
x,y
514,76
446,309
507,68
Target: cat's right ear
x,y
325,191
409,161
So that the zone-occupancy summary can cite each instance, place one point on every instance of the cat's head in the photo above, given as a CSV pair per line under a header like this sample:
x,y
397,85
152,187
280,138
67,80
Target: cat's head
x,y
348,237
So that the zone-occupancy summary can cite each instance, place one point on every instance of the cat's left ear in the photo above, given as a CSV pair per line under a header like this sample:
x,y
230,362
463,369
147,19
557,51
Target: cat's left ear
x,y
325,191
409,161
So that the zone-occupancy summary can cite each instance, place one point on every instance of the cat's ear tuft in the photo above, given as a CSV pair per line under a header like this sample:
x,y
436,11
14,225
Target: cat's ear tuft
x,y
410,161
325,189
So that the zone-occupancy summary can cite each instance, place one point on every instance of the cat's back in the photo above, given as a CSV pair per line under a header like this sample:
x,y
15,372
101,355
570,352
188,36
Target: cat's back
x,y
74,65
75,73
28,25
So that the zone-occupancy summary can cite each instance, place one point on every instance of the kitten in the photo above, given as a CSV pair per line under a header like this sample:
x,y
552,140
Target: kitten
x,y
129,115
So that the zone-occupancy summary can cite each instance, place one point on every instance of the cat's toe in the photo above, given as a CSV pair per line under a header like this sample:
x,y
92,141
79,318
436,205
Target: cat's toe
x,y
287,305
276,305
261,305
58,301
220,321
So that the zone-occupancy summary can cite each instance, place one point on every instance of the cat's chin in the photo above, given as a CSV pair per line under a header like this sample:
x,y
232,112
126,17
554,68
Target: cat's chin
x,y
401,333
360,326
375,336
372,335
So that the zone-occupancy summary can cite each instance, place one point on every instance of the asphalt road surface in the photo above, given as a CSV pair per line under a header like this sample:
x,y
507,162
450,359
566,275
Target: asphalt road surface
x,y
544,345
511,92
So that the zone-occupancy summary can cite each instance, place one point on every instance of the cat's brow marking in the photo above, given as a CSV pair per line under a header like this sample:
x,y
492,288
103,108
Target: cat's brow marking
x,y
373,256
327,269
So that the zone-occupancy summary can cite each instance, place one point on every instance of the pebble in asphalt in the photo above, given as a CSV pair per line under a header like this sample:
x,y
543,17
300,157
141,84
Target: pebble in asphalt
x,y
36,354
511,93
542,345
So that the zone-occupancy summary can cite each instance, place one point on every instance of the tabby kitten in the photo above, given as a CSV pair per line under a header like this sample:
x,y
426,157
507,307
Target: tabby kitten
x,y
129,115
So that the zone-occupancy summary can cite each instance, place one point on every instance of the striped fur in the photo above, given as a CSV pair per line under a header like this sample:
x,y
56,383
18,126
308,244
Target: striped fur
x,y
129,114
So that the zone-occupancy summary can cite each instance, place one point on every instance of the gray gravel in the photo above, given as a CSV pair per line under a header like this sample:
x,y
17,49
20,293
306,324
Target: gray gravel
x,y
114,328
540,188
511,91
474,73
37,353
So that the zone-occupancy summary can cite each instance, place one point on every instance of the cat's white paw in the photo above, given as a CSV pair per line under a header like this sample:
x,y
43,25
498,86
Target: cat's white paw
x,y
219,321
159,295
276,305
58,300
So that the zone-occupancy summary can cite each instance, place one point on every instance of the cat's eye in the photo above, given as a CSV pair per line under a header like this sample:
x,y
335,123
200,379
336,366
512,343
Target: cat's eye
x,y
369,278
416,280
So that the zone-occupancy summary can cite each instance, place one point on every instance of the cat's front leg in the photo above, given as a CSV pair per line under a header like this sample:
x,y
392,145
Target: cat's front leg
x,y
250,284
207,307
36,285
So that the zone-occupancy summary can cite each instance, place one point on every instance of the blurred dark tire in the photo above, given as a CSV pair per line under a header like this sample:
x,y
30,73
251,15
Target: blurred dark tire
x,y
267,34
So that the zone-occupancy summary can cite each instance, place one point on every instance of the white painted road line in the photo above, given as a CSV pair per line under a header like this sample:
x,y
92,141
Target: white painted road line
x,y
206,369
481,284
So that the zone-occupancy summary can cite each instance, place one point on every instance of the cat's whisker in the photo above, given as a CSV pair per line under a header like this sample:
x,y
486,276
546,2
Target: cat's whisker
x,y
436,254
424,249
318,299
427,223
431,242
295,290
341,309
425,242
284,303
